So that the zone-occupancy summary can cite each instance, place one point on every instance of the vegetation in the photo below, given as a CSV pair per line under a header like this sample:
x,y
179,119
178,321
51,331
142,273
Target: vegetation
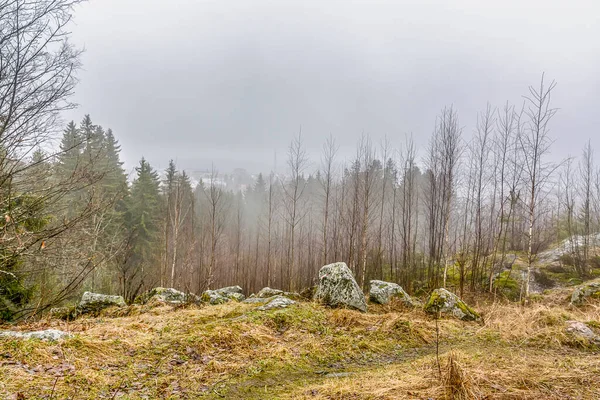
x,y
307,351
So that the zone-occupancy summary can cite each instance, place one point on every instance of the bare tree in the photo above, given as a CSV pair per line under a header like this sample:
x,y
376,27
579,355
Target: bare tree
x,y
216,206
586,170
330,149
293,190
535,145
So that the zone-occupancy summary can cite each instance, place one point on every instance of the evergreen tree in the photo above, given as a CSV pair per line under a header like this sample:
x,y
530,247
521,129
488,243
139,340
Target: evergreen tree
x,y
143,221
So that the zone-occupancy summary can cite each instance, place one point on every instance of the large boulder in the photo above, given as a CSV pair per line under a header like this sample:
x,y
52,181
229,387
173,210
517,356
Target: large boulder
x,y
383,292
337,288
51,335
445,302
94,302
277,302
585,293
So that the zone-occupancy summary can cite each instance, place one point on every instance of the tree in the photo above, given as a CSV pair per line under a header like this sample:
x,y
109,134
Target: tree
x,y
535,144
143,221
293,190
330,149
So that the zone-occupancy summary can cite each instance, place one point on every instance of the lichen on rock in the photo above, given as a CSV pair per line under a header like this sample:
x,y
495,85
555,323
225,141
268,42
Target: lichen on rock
x,y
94,302
585,293
445,302
338,288
277,302
383,292
51,335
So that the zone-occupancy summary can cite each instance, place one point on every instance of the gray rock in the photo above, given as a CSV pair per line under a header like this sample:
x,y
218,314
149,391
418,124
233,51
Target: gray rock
x,y
267,292
230,289
235,296
165,295
47,335
382,293
92,302
337,288
256,300
445,302
586,292
214,297
277,302
582,331
223,295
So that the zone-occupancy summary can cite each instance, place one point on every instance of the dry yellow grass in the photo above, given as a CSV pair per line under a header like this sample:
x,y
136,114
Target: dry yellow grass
x,y
232,351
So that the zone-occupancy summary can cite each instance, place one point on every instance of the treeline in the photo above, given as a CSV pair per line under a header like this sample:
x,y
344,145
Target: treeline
x,y
449,220
446,215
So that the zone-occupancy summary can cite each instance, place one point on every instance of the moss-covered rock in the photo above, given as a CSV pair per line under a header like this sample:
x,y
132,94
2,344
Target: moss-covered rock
x,y
166,295
583,333
383,292
586,293
267,292
337,288
223,295
445,302
277,302
50,335
92,303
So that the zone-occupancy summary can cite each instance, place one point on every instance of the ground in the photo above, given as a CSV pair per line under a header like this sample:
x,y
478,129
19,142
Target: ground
x,y
233,351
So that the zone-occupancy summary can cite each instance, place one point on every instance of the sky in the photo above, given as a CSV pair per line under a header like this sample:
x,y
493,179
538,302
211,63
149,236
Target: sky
x,y
230,82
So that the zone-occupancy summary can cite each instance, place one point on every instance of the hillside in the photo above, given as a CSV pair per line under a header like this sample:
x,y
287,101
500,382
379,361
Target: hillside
x,y
307,351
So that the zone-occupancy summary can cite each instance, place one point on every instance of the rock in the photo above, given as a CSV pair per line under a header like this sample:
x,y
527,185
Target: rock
x,y
230,289
585,293
446,302
337,288
236,296
213,297
582,331
48,335
223,295
277,302
94,302
256,300
267,292
382,293
165,295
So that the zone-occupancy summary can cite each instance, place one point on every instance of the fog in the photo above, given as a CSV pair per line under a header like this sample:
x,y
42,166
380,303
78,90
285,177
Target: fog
x,y
231,82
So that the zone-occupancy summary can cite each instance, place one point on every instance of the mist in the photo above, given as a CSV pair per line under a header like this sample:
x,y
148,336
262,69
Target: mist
x,y
229,83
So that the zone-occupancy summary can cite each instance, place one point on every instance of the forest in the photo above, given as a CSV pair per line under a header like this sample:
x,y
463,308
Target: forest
x,y
452,214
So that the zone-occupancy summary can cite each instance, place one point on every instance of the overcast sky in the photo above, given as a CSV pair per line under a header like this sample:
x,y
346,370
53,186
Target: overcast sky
x,y
231,82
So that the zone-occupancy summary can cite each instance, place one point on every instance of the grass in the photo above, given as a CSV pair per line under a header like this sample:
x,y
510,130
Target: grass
x,y
233,351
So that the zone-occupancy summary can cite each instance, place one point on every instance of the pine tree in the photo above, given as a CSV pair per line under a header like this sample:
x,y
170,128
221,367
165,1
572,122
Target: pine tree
x,y
143,221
